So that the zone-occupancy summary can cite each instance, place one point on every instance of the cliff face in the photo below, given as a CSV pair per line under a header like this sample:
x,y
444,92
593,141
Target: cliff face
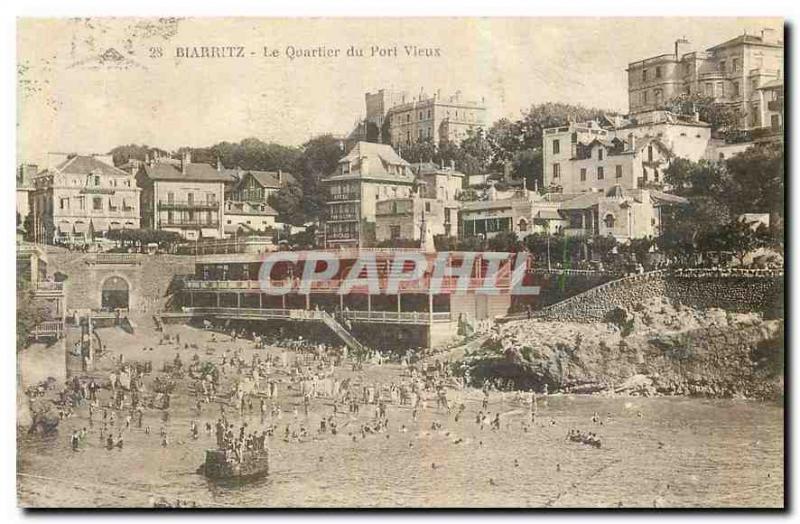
x,y
654,348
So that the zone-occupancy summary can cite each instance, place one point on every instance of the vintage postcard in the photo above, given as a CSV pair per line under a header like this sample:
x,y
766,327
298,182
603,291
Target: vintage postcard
x,y
400,263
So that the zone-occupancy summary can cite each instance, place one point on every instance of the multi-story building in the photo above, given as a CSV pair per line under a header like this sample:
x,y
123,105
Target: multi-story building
x,y
431,209
520,211
622,213
378,106
730,73
368,173
182,196
82,198
395,118
25,174
583,157
255,186
248,217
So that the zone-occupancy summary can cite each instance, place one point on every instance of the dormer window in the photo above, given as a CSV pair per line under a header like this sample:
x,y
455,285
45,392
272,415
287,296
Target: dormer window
x,y
600,153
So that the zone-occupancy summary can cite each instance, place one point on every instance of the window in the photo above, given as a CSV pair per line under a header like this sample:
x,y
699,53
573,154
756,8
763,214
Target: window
x,y
429,113
649,153
427,207
720,89
81,203
600,174
736,89
97,204
170,197
210,199
420,115
659,94
609,221
394,232
644,75
170,217
556,147
658,72
618,169
735,64
556,170
583,174
190,198
96,180
600,153
722,66
709,89
644,97
64,203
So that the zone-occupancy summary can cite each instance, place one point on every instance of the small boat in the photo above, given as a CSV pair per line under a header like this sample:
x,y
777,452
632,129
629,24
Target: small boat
x,y
222,464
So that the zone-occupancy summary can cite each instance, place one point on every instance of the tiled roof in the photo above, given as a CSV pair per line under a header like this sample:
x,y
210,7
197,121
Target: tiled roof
x,y
194,171
265,178
84,165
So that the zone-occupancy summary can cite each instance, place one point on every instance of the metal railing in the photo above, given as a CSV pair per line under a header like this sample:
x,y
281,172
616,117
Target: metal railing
x,y
422,285
185,204
48,329
388,317
403,317
114,258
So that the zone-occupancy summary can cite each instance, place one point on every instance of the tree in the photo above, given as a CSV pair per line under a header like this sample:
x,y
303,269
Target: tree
x,y
122,154
506,242
755,180
30,313
720,116
736,237
288,202
318,159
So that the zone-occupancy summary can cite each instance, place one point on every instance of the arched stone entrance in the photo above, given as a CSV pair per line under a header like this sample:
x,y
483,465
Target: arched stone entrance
x,y
115,293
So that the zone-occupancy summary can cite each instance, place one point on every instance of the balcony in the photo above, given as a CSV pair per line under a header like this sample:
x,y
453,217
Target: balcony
x,y
422,286
187,222
572,232
338,197
343,217
47,289
384,317
185,204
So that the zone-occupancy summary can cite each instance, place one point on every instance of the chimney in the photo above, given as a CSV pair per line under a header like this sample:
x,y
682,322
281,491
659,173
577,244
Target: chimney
x,y
280,176
186,159
681,47
219,164
452,164
768,35
632,141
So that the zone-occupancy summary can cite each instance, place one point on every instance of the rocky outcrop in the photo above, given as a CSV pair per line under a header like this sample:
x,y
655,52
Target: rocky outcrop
x,y
655,347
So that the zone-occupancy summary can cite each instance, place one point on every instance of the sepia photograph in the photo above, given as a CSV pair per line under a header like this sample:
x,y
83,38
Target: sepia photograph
x,y
414,262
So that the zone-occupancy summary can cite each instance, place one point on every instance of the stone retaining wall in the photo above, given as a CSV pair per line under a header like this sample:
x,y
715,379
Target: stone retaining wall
x,y
732,291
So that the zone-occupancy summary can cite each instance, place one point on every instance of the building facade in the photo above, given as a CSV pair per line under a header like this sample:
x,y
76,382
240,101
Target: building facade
x,y
255,186
730,73
183,197
575,161
248,217
368,173
81,199
520,211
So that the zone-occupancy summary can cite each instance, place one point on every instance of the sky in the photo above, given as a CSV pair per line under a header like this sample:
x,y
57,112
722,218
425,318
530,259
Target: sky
x,y
72,100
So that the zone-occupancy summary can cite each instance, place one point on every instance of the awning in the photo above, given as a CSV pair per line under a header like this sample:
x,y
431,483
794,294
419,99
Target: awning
x,y
80,227
548,214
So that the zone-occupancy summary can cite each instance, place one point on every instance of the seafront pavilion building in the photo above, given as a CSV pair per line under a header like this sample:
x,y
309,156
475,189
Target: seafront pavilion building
x,y
418,313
